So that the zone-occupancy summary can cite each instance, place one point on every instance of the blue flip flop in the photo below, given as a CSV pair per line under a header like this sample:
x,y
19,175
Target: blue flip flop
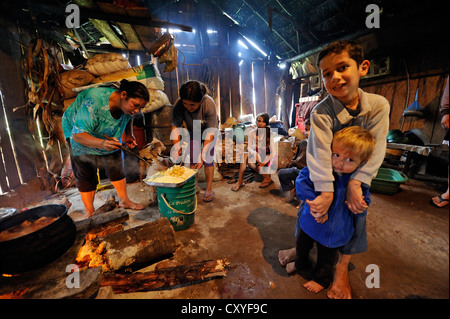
x,y
440,201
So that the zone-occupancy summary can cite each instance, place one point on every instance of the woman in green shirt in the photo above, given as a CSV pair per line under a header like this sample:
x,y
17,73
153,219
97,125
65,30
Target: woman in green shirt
x,y
94,113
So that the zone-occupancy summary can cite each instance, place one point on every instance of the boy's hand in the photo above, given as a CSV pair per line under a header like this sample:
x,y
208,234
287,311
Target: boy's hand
x,y
320,205
355,199
320,218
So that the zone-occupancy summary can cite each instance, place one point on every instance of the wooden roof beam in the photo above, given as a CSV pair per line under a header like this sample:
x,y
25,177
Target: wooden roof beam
x,y
95,14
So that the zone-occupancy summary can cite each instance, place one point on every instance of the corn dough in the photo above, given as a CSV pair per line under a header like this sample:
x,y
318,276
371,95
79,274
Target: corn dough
x,y
174,175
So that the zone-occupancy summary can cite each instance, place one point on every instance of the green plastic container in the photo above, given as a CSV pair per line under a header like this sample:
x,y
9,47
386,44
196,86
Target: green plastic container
x,y
388,181
178,204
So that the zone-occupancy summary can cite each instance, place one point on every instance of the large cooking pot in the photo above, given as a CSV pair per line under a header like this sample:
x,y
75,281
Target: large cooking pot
x,y
40,247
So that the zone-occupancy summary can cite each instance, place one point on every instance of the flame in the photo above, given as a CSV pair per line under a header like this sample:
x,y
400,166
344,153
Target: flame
x,y
92,253
14,295
10,275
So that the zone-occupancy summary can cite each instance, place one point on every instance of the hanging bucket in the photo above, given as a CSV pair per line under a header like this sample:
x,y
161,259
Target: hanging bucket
x,y
178,204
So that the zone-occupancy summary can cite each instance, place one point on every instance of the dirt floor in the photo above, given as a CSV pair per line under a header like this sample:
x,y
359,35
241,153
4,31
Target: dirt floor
x,y
408,244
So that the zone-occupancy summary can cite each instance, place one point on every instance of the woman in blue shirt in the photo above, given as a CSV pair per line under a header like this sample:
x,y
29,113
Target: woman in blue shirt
x,y
94,113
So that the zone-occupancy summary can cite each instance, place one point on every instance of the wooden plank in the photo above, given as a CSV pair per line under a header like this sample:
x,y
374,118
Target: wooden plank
x,y
224,82
258,82
10,168
430,93
246,88
128,31
102,26
146,34
272,76
235,97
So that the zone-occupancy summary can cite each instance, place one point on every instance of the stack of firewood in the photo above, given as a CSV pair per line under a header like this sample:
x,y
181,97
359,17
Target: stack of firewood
x,y
228,151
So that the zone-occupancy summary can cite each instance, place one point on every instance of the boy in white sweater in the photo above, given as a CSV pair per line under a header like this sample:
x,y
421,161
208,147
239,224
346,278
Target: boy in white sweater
x,y
342,65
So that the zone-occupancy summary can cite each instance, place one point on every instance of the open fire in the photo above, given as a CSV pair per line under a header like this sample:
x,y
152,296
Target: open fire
x,y
109,248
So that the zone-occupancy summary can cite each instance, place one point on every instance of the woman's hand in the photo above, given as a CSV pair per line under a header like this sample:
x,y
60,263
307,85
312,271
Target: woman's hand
x,y
262,164
128,138
111,145
129,141
199,163
94,142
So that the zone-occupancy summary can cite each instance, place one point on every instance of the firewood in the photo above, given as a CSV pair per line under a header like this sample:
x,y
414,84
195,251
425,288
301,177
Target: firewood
x,y
165,277
105,220
87,286
109,205
93,234
83,284
128,248
140,245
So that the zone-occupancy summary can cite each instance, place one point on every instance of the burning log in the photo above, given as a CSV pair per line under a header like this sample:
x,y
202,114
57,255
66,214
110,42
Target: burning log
x,y
76,285
127,248
84,285
165,277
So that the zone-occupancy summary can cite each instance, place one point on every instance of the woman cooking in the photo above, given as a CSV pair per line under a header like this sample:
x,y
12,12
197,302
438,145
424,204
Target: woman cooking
x,y
198,110
97,112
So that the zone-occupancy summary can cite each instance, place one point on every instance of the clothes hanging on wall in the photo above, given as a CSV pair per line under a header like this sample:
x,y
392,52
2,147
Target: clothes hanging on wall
x,y
303,110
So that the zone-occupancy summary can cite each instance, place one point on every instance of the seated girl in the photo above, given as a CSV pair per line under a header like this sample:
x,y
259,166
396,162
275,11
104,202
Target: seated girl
x,y
260,157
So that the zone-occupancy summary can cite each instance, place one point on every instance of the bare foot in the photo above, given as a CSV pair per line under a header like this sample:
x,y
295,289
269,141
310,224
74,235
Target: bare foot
x,y
340,289
313,286
291,196
290,267
88,214
286,256
131,205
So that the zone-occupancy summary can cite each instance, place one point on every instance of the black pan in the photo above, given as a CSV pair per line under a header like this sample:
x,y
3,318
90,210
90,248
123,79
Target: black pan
x,y
41,247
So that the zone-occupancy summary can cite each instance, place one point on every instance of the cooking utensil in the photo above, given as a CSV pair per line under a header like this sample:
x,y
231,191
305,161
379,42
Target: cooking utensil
x,y
6,212
39,248
128,150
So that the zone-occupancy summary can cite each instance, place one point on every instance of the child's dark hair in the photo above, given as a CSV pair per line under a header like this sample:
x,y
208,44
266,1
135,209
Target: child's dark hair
x,y
266,119
353,48
134,89
193,91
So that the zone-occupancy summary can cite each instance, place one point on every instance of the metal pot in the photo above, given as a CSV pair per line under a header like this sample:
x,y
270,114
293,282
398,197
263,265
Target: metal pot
x,y
40,247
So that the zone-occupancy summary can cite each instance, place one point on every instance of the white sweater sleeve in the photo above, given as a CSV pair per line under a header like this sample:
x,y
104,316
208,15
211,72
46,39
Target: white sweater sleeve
x,y
318,155
378,125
